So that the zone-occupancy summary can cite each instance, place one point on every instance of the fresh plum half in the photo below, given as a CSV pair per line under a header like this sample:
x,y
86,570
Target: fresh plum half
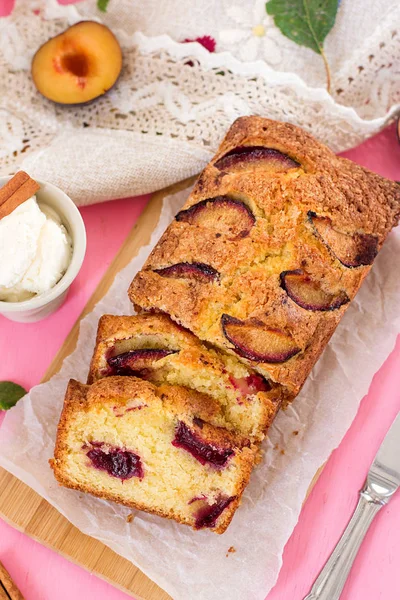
x,y
135,361
308,294
245,157
77,65
258,343
354,250
185,270
202,451
222,214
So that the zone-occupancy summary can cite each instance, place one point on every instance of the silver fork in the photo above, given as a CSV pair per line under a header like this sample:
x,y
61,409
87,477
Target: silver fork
x,y
382,481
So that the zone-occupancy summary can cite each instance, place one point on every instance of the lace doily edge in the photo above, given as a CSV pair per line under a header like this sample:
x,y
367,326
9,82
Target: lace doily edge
x,y
220,60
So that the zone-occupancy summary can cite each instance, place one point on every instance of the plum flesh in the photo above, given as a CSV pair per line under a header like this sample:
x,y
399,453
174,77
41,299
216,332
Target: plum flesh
x,y
117,462
222,214
207,515
202,451
356,250
250,385
185,270
258,343
135,361
246,157
308,294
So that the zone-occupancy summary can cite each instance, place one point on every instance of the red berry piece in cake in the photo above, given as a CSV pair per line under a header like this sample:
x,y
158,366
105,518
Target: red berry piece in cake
x,y
258,343
250,385
205,453
223,214
308,294
250,157
117,462
355,250
207,514
136,361
195,271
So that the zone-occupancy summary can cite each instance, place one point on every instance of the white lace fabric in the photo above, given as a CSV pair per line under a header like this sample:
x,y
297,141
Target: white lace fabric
x,y
174,101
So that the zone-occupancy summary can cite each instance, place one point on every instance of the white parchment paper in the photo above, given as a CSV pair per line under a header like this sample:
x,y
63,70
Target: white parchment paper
x,y
195,565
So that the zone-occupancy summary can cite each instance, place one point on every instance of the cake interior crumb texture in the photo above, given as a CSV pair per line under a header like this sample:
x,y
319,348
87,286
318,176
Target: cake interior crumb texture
x,y
154,348
125,440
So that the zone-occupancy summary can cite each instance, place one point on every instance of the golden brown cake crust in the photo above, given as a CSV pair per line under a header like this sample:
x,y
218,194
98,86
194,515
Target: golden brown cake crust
x,y
288,207
193,355
113,327
186,405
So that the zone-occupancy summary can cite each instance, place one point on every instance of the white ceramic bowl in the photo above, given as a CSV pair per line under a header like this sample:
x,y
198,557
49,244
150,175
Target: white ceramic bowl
x,y
41,306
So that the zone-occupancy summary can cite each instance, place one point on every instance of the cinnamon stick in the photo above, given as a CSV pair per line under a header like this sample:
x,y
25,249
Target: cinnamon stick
x,y
8,589
20,188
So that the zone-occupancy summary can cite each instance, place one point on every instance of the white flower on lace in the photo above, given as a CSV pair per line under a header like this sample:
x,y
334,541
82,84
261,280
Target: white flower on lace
x,y
256,35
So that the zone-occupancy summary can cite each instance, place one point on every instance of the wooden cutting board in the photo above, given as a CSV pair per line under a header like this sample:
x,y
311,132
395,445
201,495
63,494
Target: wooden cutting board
x,y
25,510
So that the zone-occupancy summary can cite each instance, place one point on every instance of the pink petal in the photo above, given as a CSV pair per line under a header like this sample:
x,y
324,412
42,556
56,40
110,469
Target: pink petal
x,y
206,41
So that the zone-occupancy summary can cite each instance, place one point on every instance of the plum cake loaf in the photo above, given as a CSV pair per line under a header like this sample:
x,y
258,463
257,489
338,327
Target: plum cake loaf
x,y
270,248
152,448
153,347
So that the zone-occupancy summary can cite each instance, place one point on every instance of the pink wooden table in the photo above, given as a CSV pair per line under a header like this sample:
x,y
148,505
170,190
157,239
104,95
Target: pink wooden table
x,y
27,350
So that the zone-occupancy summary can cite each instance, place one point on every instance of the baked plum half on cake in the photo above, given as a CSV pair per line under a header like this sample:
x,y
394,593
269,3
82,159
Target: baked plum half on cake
x,y
152,448
154,348
222,214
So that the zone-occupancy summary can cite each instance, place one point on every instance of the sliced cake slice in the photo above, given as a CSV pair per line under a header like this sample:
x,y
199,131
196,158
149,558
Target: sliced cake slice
x,y
152,448
153,347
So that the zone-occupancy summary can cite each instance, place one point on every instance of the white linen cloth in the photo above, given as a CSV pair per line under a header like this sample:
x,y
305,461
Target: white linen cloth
x,y
174,101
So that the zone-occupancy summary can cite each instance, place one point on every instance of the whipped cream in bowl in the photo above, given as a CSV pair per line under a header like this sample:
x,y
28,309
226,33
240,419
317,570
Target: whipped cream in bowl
x,y
42,246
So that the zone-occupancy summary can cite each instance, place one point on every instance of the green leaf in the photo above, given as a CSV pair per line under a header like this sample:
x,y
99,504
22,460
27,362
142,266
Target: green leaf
x,y
102,5
10,393
306,22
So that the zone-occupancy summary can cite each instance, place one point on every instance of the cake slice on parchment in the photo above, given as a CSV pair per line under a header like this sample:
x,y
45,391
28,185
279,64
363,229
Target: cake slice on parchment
x,y
155,348
152,448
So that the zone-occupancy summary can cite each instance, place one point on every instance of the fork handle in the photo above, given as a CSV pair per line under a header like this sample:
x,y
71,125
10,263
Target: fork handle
x,y
331,580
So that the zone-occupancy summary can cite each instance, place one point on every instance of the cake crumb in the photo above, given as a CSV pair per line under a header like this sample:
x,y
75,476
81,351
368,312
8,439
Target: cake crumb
x,y
130,518
230,550
295,432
